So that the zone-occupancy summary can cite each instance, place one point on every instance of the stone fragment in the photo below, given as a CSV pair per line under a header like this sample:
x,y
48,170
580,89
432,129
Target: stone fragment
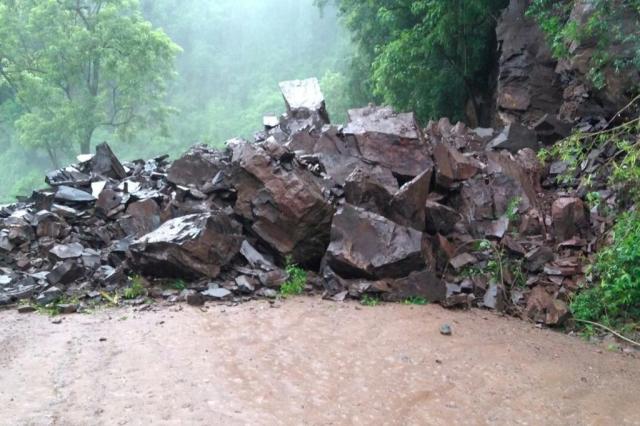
x,y
452,166
190,246
73,195
67,251
366,245
68,176
542,307
50,295
462,260
194,298
515,137
198,167
107,201
65,273
216,294
408,205
422,284
569,216
537,258
445,330
370,188
105,163
304,99
440,219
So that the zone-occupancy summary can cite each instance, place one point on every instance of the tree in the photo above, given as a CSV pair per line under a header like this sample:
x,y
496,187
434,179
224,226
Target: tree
x,y
430,56
77,66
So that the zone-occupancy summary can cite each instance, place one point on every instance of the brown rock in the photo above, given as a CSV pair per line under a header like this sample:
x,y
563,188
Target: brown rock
x,y
370,188
105,163
542,307
569,216
452,166
191,246
423,284
407,207
366,245
440,219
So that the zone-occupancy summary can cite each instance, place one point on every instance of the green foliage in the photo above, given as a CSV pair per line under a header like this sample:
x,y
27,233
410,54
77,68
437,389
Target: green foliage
x,y
616,297
77,66
513,207
427,56
611,26
369,300
416,300
135,290
296,282
178,285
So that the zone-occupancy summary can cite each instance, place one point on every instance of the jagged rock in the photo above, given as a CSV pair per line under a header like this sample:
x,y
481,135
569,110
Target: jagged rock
x,y
65,273
304,99
569,216
408,205
107,201
273,279
198,167
255,258
67,193
191,246
371,188
542,307
440,219
67,251
245,284
216,294
515,137
390,139
462,260
452,166
286,208
537,258
106,164
366,245
49,224
68,176
141,218
423,284
50,295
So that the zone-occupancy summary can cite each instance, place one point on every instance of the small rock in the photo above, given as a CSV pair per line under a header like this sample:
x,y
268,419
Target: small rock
x,y
194,298
445,330
26,309
216,293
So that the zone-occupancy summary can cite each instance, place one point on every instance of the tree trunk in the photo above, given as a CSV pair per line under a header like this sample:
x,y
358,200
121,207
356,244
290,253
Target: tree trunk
x,y
85,144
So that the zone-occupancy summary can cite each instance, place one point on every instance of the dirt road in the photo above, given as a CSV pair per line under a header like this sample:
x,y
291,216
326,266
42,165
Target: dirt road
x,y
305,362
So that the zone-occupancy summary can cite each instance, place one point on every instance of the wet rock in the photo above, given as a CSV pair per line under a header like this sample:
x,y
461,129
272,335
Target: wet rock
x,y
245,284
542,307
198,167
422,284
304,99
445,330
48,296
273,279
216,294
73,195
194,298
370,188
569,216
286,208
65,273
191,246
49,224
408,205
515,137
255,258
390,139
107,201
440,219
68,176
537,258
452,166
141,218
366,245
67,251
67,308
106,164
494,298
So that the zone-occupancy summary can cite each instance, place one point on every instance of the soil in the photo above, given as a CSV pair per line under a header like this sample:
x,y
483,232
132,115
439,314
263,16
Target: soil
x,y
306,361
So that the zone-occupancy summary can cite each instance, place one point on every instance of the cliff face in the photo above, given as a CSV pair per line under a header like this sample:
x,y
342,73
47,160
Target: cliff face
x,y
536,89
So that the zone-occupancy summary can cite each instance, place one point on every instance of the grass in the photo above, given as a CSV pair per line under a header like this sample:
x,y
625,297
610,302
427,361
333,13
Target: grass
x,y
368,300
415,300
296,282
135,290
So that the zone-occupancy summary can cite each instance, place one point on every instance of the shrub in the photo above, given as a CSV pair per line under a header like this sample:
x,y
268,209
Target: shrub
x,y
616,271
135,290
296,282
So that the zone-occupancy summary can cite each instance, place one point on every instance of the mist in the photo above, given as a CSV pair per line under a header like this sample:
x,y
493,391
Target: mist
x,y
234,53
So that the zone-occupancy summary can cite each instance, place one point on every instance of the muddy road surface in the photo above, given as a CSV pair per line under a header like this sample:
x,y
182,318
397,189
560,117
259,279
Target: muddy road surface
x,y
306,362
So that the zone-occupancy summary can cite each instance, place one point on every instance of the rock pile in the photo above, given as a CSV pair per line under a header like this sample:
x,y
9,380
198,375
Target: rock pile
x,y
380,207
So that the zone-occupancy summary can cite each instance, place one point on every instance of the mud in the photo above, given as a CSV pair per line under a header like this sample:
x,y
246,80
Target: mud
x,y
306,361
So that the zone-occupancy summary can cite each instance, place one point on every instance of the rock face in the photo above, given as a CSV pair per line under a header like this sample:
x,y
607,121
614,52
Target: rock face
x,y
189,246
366,245
569,216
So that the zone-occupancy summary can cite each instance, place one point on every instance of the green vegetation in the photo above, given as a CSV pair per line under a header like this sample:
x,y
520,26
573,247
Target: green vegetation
x,y
233,54
369,300
428,56
615,299
135,290
178,285
513,207
416,300
296,282
606,27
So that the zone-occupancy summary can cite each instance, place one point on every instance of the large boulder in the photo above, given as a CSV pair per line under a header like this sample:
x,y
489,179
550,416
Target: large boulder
x,y
196,168
390,139
367,245
304,99
192,246
282,202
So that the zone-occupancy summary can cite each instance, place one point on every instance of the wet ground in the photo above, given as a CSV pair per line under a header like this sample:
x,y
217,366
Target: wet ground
x,y
306,362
